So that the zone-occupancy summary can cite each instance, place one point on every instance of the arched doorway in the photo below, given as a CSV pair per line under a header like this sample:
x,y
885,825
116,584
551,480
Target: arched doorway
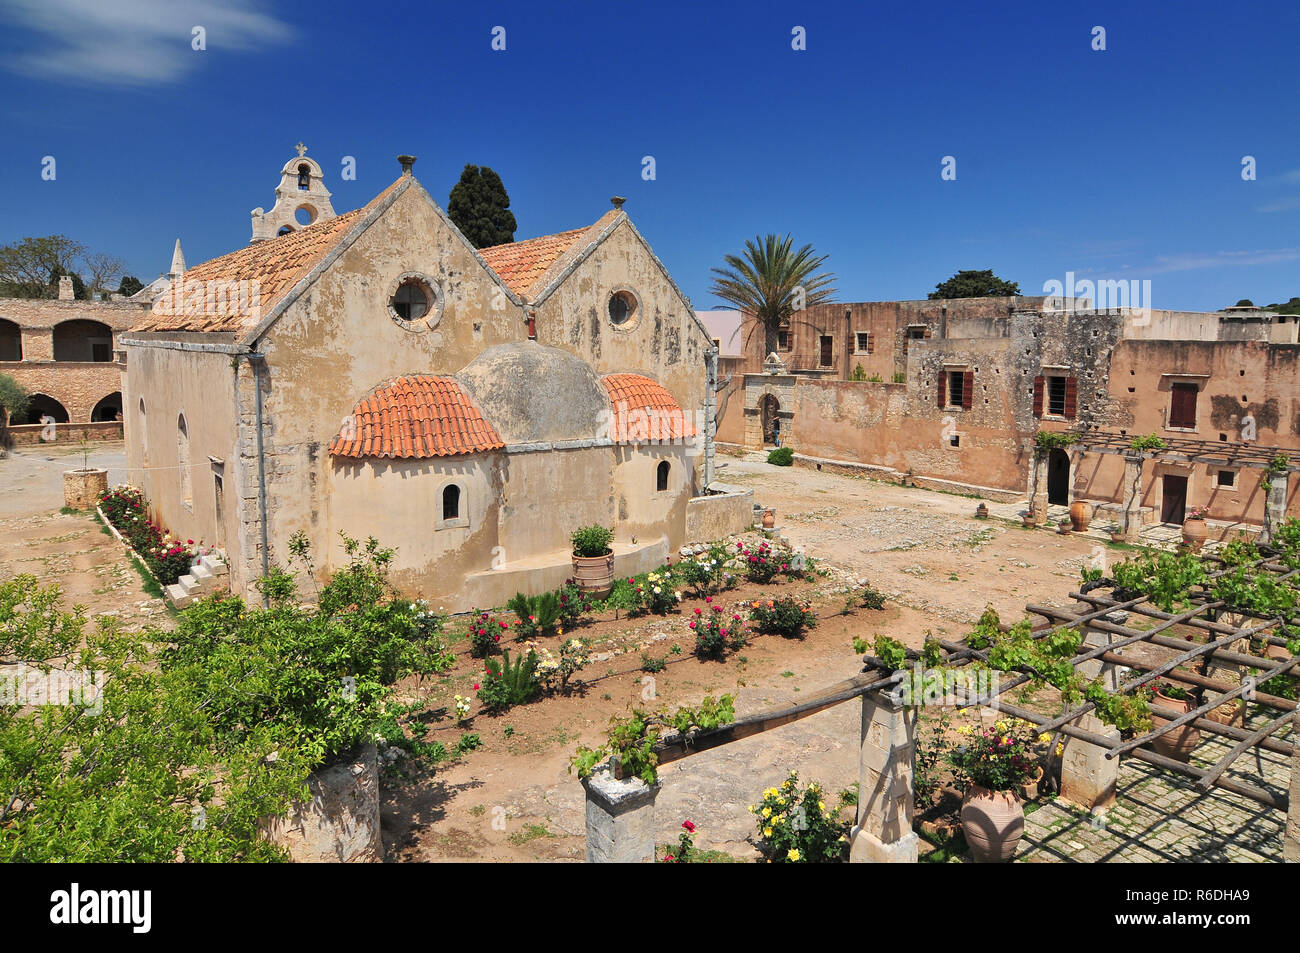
x,y
110,408
1058,477
770,407
42,405
83,341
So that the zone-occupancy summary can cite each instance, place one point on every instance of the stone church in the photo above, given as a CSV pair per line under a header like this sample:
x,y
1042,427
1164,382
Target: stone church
x,y
372,373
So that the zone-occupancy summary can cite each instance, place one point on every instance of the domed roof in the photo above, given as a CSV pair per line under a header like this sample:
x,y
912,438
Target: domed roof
x,y
537,394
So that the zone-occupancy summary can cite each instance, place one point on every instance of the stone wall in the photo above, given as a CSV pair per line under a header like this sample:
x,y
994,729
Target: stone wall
x,y
29,435
725,512
76,385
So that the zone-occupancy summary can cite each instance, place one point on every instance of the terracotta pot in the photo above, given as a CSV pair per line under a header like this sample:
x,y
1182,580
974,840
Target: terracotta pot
x,y
993,822
1176,744
1117,537
1080,515
1063,527
769,518
1194,534
594,574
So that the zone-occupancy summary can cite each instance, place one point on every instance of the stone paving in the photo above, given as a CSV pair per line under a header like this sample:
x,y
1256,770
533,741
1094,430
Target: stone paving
x,y
1160,817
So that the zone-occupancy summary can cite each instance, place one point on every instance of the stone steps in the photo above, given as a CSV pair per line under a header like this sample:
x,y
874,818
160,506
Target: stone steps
x,y
198,582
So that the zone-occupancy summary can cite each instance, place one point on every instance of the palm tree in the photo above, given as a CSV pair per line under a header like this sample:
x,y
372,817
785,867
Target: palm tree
x,y
771,281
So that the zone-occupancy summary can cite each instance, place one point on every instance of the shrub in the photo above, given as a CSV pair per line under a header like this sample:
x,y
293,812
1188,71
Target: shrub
x,y
653,592
1148,442
868,597
999,757
714,633
762,564
1054,439
796,827
167,558
554,673
485,634
537,615
506,683
706,573
785,616
591,541
574,603
781,457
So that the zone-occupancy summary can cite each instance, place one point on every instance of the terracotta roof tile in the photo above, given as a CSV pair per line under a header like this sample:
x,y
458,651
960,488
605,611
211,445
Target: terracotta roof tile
x,y
523,265
415,418
269,269
632,392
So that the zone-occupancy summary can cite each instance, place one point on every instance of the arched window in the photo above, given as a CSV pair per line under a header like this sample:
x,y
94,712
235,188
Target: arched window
x,y
183,461
84,341
144,435
661,476
451,502
284,230
304,177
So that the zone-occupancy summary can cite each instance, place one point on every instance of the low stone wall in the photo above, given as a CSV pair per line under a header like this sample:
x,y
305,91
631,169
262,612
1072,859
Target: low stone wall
x,y
720,514
340,824
27,435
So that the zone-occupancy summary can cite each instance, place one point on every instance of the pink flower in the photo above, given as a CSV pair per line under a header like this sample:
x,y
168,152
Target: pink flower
x,y
692,625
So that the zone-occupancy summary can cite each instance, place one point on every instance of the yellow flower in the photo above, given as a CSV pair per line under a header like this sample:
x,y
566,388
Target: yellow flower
x,y
1044,739
1060,748
767,832
821,805
965,730
767,812
778,819
794,854
751,809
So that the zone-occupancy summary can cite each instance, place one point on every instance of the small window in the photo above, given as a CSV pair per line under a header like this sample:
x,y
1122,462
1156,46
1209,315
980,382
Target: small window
x,y
1226,479
284,230
661,476
954,440
915,333
864,342
1056,396
827,350
783,340
411,301
622,305
451,502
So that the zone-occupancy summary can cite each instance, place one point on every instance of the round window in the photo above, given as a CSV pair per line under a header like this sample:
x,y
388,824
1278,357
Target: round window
x,y
622,305
411,300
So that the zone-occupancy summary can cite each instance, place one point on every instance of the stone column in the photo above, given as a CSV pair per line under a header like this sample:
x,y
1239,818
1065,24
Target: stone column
x,y
1038,486
1274,504
620,819
1291,837
883,833
1131,517
1088,779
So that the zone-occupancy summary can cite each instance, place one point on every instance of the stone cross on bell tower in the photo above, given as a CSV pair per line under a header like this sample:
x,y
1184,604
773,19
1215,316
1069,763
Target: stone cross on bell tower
x,y
300,199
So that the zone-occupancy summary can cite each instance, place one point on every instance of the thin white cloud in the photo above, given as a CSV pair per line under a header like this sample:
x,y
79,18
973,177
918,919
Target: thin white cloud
x,y
1222,259
134,42
1280,205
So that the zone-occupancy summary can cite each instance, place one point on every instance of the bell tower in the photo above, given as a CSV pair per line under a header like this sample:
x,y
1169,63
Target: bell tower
x,y
301,190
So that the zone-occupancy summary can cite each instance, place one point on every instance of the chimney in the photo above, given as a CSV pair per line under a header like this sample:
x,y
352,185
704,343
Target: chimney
x,y
65,288
407,162
617,201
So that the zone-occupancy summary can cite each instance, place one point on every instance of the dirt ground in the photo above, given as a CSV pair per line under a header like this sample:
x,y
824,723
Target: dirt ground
x,y
69,549
513,798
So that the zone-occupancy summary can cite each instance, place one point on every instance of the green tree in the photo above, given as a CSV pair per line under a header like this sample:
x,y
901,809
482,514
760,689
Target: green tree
x,y
1244,303
130,285
30,268
773,282
480,207
79,290
975,284
13,398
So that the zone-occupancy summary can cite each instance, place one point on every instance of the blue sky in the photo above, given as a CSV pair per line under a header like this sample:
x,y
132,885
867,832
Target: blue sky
x,y
1122,163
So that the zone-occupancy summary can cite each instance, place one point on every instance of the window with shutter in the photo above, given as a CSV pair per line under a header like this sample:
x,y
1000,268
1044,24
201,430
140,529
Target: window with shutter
x,y
1071,398
943,394
828,350
1039,383
1182,406
967,390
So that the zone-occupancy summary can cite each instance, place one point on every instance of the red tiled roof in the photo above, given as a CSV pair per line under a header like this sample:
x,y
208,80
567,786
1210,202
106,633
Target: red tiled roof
x,y
415,418
632,392
270,270
523,265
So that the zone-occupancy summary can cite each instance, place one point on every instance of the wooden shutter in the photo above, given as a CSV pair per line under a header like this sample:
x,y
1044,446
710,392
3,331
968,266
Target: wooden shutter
x,y
1182,406
1040,382
967,389
871,342
1071,397
943,389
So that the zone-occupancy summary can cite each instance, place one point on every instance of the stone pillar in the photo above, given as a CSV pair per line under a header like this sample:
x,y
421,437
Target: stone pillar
x,y
1088,779
1274,504
1038,486
1131,516
1291,837
883,832
620,818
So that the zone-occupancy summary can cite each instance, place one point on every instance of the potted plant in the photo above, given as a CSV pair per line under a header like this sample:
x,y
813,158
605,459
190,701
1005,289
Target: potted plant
x,y
1176,744
996,761
1194,528
593,559
1116,533
1063,527
1080,515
